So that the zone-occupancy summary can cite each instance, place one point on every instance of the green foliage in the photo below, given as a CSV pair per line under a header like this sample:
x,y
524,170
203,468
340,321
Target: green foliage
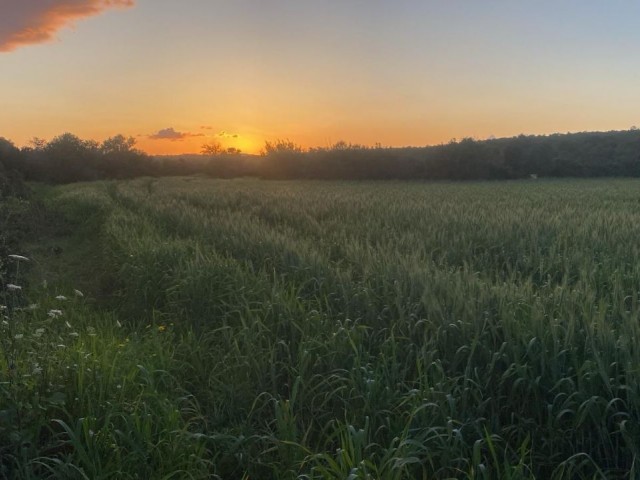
x,y
80,397
11,181
333,330
67,158
281,147
594,154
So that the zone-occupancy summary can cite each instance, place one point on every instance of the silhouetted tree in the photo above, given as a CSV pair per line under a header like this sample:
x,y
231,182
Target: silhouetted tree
x,y
212,148
11,178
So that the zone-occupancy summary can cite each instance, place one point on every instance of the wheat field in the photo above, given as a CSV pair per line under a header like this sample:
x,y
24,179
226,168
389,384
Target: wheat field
x,y
373,330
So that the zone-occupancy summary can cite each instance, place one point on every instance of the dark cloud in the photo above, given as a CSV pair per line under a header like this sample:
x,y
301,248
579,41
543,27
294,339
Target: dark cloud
x,y
171,134
224,134
26,22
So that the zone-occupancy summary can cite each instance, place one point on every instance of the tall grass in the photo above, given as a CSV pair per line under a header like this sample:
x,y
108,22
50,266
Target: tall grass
x,y
358,330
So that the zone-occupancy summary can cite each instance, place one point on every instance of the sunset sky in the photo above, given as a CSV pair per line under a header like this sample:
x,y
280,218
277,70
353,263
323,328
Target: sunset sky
x,y
177,74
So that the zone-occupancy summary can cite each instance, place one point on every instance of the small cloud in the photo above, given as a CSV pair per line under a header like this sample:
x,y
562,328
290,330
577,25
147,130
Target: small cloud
x,y
36,21
171,134
224,134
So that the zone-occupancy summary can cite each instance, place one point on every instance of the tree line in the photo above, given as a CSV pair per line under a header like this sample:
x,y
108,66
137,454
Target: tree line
x,y
590,154
67,158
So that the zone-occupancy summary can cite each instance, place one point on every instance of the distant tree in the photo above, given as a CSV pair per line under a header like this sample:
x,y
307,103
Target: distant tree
x,y
341,145
120,158
118,145
37,143
514,160
11,176
470,159
281,147
284,159
9,154
212,148
71,159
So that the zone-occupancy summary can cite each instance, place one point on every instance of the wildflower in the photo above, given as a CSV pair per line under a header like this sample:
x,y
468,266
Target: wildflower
x,y
54,313
33,306
74,334
61,297
68,324
162,328
118,324
19,258
12,287
19,336
78,293
37,369
3,307
39,332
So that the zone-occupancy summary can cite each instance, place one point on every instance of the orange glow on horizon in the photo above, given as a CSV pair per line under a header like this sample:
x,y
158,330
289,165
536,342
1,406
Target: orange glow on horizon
x,y
194,144
323,72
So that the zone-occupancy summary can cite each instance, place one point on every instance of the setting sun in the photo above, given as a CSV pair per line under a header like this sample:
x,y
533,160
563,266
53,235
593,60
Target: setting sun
x,y
402,73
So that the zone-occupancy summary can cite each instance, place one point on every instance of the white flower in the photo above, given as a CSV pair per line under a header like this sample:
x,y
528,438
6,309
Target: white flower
x,y
33,306
19,257
39,332
118,324
54,313
11,286
78,293
18,336
74,334
68,325
61,297
3,307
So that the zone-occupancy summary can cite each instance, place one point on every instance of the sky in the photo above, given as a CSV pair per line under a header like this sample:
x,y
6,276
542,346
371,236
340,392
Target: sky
x,y
179,74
